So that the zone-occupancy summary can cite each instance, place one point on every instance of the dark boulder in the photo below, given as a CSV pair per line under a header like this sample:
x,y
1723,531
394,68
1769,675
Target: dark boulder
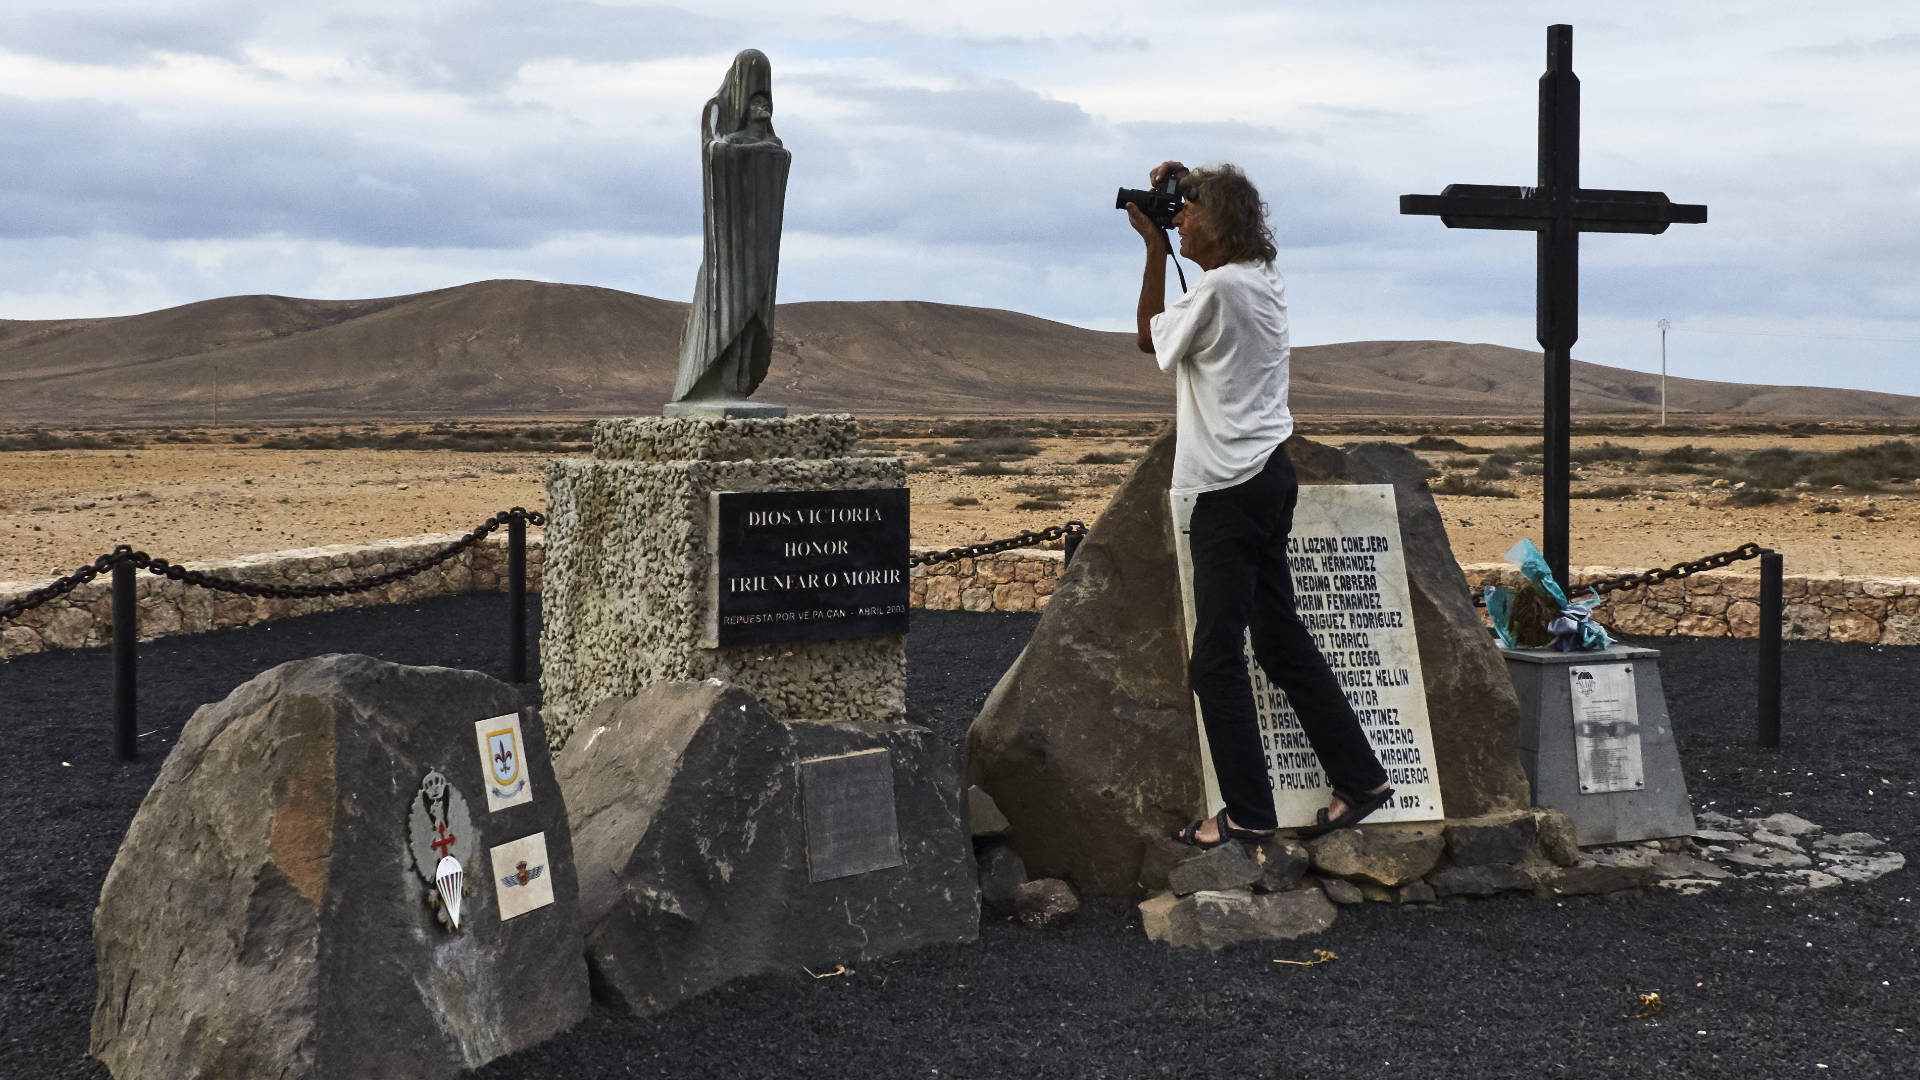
x,y
266,915
1088,743
691,825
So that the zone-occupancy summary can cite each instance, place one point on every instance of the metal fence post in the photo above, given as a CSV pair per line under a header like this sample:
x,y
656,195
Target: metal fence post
x,y
517,596
1070,545
125,656
1770,573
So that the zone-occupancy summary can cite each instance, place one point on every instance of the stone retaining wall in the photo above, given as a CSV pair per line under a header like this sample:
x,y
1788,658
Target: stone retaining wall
x,y
85,616
1019,580
1719,603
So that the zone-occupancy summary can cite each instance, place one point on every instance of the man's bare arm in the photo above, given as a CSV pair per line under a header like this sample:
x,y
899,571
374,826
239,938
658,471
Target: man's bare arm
x,y
1153,280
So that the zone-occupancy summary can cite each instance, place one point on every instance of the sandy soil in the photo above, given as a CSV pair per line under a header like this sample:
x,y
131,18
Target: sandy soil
x,y
61,508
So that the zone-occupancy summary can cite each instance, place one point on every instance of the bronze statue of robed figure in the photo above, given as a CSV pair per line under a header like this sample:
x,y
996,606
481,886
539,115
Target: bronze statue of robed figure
x,y
728,341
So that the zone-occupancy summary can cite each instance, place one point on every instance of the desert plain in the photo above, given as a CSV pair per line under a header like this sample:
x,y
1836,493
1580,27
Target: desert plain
x,y
1643,497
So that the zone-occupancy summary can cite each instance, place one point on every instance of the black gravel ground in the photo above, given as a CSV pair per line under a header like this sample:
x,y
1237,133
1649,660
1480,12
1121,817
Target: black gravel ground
x,y
1756,983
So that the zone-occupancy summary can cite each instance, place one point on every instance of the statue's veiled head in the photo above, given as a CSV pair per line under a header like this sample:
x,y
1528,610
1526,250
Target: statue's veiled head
x,y
745,97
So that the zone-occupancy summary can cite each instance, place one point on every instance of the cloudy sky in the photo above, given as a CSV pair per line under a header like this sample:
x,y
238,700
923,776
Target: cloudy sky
x,y
166,151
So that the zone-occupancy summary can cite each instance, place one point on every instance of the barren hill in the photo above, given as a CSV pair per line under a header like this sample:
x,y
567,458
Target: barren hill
x,y
530,348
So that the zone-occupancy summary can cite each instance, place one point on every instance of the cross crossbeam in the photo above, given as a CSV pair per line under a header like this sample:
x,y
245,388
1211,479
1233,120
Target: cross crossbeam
x,y
1495,206
1558,209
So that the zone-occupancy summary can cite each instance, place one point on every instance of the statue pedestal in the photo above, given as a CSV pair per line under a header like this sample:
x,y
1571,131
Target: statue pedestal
x,y
720,409
628,586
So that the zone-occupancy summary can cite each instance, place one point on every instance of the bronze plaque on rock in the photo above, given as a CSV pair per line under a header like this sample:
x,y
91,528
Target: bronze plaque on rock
x,y
852,825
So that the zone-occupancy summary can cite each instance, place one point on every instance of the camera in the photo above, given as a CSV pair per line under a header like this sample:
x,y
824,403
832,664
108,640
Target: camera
x,y
1159,204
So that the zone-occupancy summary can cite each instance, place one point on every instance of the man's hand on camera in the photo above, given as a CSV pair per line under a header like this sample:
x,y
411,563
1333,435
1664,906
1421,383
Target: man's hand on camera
x,y
1161,171
1142,224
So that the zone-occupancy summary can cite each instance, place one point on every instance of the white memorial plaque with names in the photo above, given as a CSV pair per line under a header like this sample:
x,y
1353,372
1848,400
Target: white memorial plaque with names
x,y
1606,728
1350,587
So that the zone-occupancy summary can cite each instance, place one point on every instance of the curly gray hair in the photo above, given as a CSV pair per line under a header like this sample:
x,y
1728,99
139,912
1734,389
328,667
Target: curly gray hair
x,y
1233,211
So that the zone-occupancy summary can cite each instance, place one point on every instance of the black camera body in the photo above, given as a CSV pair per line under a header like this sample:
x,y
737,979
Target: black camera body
x,y
1158,204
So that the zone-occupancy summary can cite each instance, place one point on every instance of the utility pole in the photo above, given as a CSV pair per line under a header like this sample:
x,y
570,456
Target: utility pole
x,y
1663,324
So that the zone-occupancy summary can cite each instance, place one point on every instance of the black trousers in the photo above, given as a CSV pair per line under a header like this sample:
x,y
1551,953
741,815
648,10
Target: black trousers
x,y
1241,583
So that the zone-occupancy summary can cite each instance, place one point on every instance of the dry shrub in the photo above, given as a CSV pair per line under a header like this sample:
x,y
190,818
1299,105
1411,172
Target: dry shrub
x,y
1606,451
1455,484
1607,491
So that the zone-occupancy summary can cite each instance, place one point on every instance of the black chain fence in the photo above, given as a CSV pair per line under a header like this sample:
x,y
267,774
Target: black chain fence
x,y
1677,570
174,571
1069,531
123,561
1027,538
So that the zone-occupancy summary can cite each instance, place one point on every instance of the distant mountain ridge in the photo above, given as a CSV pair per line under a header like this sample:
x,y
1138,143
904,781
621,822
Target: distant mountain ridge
x,y
526,348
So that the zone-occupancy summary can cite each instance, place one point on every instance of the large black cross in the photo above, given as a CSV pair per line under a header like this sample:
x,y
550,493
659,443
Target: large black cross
x,y
1559,210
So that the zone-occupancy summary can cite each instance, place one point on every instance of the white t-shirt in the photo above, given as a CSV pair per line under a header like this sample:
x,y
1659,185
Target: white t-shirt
x,y
1226,343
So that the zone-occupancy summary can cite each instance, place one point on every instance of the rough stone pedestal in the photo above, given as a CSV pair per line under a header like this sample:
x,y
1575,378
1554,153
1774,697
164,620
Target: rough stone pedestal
x,y
625,597
264,917
1549,753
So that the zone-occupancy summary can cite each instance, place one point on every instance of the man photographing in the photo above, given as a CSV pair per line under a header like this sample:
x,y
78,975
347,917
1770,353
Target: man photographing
x,y
1225,342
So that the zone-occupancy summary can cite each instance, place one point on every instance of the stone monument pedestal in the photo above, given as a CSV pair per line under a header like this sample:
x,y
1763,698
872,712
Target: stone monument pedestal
x,y
725,602
729,409
1597,743
628,594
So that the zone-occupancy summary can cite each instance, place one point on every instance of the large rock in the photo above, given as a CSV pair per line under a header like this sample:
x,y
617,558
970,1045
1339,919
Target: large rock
x,y
1497,839
1229,866
1384,857
264,916
1088,743
692,838
1283,863
1479,880
1215,919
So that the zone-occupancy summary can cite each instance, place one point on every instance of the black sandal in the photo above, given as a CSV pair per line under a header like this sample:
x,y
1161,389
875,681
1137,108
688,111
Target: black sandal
x,y
1359,807
1189,833
1235,832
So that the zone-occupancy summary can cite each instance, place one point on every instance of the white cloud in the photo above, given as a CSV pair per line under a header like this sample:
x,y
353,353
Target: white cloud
x,y
164,151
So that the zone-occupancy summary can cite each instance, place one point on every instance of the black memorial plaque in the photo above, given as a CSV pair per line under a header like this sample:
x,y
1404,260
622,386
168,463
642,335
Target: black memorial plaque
x,y
852,825
809,565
